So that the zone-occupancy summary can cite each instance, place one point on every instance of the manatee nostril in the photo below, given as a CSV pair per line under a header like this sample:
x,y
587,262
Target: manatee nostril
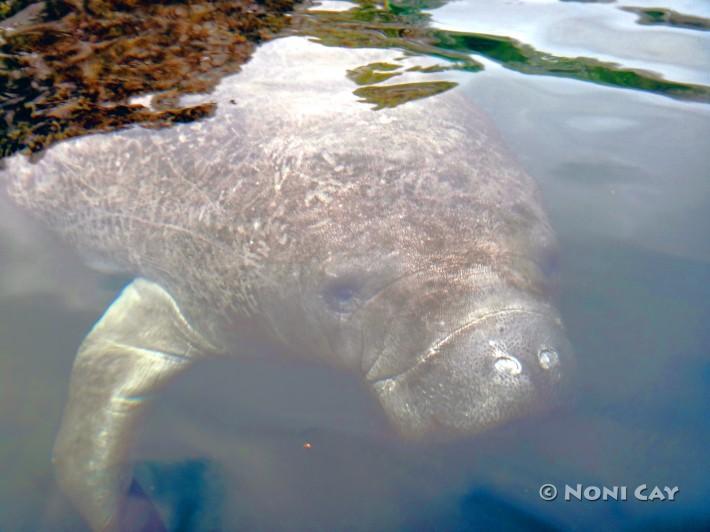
x,y
508,365
548,358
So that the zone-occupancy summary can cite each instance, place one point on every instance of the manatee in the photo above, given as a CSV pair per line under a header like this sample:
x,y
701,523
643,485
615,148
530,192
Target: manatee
x,y
403,244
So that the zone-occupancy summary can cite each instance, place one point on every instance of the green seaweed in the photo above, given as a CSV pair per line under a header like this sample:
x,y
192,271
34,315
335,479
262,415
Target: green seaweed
x,y
373,73
433,68
667,17
383,96
387,67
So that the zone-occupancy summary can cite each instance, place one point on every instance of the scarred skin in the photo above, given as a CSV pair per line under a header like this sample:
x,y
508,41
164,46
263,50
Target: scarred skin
x,y
403,244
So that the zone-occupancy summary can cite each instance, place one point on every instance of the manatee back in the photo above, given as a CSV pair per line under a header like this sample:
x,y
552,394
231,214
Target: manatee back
x,y
222,209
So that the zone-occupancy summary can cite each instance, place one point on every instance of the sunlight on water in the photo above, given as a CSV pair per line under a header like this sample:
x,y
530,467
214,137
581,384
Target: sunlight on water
x,y
267,444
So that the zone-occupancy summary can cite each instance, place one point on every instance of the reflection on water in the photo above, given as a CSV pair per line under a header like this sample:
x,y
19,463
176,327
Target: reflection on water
x,y
265,445
668,17
460,29
67,68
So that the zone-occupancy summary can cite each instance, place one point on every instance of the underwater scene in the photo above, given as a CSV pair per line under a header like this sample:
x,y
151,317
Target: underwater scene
x,y
402,266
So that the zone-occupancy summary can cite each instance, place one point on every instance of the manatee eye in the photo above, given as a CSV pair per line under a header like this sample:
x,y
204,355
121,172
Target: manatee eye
x,y
342,295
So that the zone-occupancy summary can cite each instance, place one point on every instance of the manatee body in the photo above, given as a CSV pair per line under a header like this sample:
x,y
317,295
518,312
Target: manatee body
x,y
403,244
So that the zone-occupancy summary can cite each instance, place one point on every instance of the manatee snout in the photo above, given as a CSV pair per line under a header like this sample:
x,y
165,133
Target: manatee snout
x,y
498,366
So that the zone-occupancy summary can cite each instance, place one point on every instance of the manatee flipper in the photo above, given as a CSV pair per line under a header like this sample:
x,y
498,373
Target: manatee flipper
x,y
140,343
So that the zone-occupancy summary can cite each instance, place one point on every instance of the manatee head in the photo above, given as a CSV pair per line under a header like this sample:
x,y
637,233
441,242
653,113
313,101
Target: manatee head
x,y
447,353
506,359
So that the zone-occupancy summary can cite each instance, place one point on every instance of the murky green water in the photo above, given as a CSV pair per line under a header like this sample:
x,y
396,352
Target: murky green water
x,y
618,143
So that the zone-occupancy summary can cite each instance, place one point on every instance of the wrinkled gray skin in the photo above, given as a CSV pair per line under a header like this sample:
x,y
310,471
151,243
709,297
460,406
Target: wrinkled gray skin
x,y
402,244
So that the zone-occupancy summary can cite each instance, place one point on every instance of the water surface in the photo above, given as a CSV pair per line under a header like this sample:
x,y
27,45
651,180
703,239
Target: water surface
x,y
625,175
